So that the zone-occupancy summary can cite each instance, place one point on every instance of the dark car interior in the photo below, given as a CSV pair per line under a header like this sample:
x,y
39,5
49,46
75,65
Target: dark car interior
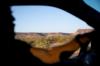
x,y
17,52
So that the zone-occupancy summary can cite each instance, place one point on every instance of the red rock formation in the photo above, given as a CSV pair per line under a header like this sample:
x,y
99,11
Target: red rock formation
x,y
52,55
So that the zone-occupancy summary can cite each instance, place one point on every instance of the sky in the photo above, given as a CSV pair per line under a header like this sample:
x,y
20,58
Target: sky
x,y
94,4
46,19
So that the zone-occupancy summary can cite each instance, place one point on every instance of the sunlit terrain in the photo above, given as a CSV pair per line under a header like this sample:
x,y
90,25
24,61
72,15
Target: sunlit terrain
x,y
48,40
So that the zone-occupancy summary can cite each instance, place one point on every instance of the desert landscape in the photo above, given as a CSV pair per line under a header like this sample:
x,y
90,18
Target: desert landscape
x,y
44,40
48,40
48,46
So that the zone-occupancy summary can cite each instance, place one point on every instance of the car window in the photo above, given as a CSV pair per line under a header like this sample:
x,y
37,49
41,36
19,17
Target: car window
x,y
46,26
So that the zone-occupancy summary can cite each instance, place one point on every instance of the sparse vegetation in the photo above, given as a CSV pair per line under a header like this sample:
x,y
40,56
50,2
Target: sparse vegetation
x,y
45,41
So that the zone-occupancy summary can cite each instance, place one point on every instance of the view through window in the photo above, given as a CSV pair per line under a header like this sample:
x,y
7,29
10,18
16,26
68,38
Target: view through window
x,y
46,26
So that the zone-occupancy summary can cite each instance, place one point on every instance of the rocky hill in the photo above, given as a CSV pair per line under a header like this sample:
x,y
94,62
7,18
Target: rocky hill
x,y
45,40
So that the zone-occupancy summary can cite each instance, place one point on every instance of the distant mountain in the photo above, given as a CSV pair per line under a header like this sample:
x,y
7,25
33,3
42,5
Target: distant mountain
x,y
79,31
40,34
82,31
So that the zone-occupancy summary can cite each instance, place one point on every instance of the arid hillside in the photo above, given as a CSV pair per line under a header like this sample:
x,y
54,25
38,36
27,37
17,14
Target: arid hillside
x,y
49,46
53,55
44,40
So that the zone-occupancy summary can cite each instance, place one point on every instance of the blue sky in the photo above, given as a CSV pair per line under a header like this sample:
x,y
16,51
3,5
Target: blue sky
x,y
45,19
94,4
